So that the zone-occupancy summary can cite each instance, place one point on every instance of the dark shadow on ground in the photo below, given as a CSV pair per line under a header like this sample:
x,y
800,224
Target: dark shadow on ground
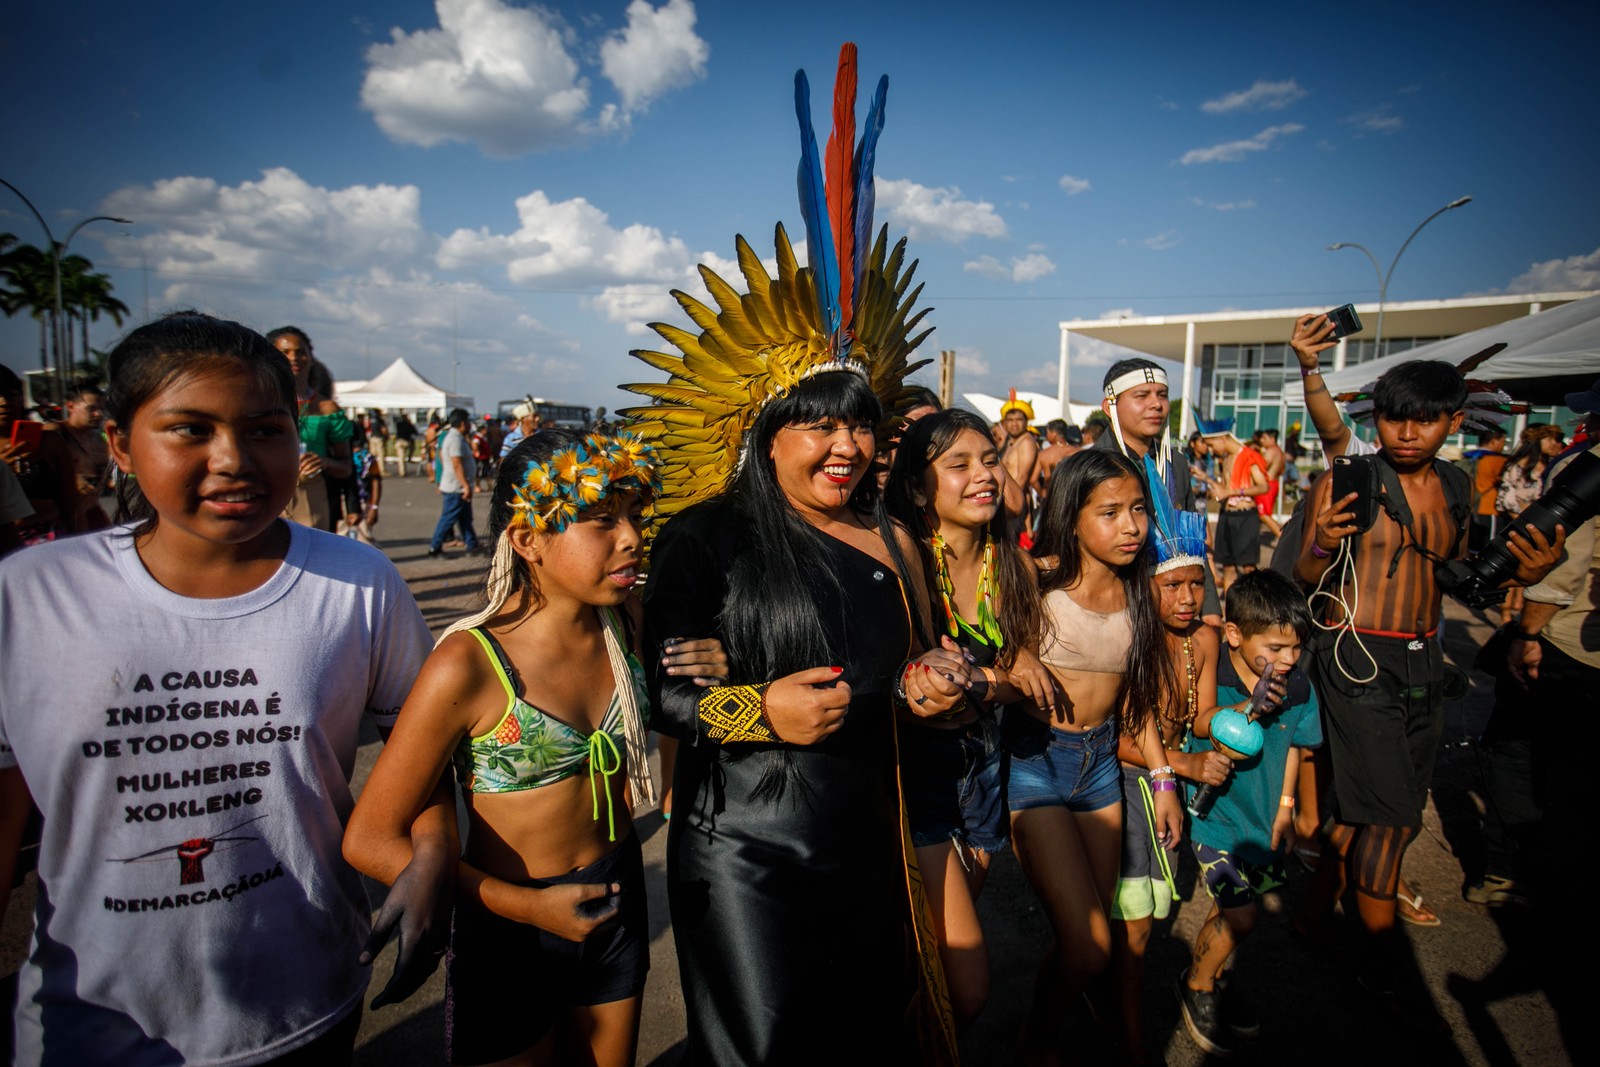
x,y
418,1038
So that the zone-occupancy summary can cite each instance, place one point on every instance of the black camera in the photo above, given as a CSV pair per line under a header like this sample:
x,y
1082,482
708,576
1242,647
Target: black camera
x,y
1572,499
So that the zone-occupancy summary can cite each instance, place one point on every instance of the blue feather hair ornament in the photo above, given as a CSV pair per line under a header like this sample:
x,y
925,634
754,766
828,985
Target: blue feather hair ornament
x,y
1179,537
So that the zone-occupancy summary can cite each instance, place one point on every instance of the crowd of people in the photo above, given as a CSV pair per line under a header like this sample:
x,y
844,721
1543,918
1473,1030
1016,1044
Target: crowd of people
x,y
873,687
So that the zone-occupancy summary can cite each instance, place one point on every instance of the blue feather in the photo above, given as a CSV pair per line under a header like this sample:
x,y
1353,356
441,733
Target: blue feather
x,y
1175,533
866,192
814,209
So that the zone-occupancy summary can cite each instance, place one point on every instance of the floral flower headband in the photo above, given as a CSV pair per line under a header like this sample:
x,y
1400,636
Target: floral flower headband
x,y
580,476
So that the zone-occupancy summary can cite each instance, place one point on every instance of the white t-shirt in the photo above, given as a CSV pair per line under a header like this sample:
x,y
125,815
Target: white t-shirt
x,y
454,443
192,759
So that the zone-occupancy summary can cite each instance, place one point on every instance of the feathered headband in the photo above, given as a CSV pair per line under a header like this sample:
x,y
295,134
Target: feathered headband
x,y
846,310
1178,537
1013,404
581,476
1487,406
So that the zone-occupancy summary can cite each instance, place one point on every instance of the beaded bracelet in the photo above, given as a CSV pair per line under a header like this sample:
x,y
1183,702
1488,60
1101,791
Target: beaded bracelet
x,y
1162,770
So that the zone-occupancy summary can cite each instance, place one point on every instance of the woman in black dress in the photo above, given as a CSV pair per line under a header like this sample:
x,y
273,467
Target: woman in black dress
x,y
786,872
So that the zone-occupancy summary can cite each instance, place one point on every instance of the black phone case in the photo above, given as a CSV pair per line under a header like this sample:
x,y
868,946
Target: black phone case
x,y
1354,475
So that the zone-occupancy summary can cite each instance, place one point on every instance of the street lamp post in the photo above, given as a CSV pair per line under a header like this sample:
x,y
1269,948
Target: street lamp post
x,y
1383,278
58,332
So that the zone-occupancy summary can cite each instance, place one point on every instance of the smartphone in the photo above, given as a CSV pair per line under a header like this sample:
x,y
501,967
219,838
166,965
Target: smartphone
x,y
1345,322
1354,474
27,434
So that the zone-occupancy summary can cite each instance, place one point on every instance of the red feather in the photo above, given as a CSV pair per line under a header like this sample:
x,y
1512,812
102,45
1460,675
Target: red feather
x,y
839,171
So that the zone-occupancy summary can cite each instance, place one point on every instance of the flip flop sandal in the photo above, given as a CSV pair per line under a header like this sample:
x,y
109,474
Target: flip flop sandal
x,y
1412,910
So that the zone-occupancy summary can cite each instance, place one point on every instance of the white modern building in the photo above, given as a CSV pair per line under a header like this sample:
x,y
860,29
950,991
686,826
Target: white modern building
x,y
1238,363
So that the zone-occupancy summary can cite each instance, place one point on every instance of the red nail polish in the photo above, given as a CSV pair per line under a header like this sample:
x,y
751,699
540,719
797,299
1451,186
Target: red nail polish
x,y
837,670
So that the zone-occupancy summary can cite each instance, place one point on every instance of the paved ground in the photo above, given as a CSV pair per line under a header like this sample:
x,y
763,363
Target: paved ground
x,y
1497,977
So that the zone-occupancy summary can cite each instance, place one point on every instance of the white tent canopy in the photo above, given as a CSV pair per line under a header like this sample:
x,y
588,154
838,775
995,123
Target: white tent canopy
x,y
1551,352
1045,408
398,388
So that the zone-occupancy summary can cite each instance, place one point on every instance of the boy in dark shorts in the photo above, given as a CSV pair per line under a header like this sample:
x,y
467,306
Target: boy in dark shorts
x,y
1238,536
1240,843
1377,664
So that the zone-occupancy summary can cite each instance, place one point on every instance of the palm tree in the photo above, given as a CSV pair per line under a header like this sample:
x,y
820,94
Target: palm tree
x,y
86,295
27,283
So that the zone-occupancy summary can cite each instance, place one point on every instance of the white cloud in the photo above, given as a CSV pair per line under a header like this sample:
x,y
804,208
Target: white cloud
x,y
1380,119
571,242
1031,268
1160,242
1044,374
637,305
1022,269
506,78
1262,96
936,212
1224,205
1559,275
987,266
657,51
1234,151
971,361
492,74
355,267
280,225
1119,313
1073,186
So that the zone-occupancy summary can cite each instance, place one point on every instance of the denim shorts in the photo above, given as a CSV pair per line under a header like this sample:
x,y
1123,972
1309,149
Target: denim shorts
x,y
954,785
1061,768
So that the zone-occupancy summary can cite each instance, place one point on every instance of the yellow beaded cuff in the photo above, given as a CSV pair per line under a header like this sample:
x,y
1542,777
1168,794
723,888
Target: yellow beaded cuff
x,y
733,713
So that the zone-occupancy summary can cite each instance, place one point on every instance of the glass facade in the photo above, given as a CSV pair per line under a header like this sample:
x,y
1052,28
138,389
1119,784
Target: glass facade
x,y
1246,381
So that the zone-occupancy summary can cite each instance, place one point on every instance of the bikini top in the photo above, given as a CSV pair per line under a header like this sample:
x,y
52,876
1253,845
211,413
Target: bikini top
x,y
529,747
1077,639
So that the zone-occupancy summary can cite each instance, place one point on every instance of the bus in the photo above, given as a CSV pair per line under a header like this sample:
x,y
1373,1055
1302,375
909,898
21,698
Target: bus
x,y
551,412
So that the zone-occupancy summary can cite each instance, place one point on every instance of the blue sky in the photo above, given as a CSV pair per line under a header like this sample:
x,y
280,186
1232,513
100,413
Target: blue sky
x,y
506,193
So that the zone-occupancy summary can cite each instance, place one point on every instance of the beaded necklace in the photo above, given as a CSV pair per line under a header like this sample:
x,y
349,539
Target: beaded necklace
x,y
988,628
1192,699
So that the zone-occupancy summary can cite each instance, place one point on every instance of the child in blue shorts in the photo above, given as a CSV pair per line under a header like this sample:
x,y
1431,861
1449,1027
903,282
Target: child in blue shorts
x,y
1241,841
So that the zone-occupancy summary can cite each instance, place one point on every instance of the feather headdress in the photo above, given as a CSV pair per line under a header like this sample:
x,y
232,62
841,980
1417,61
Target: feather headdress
x,y
1178,537
1487,408
848,309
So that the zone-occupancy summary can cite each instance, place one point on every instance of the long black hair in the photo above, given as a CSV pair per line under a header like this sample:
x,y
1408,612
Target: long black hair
x,y
1149,677
182,343
924,442
770,616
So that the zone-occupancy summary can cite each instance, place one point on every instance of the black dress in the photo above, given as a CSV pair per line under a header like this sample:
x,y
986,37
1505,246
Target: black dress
x,y
790,912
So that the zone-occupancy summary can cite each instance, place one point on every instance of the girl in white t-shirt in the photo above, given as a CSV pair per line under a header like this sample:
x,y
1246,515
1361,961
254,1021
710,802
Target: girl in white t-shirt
x,y
183,699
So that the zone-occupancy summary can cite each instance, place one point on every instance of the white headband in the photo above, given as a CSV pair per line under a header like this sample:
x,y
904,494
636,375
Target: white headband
x,y
1135,377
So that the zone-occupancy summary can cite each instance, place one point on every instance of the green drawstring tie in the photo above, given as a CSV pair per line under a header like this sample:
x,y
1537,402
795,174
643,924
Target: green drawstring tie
x,y
1150,820
599,741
